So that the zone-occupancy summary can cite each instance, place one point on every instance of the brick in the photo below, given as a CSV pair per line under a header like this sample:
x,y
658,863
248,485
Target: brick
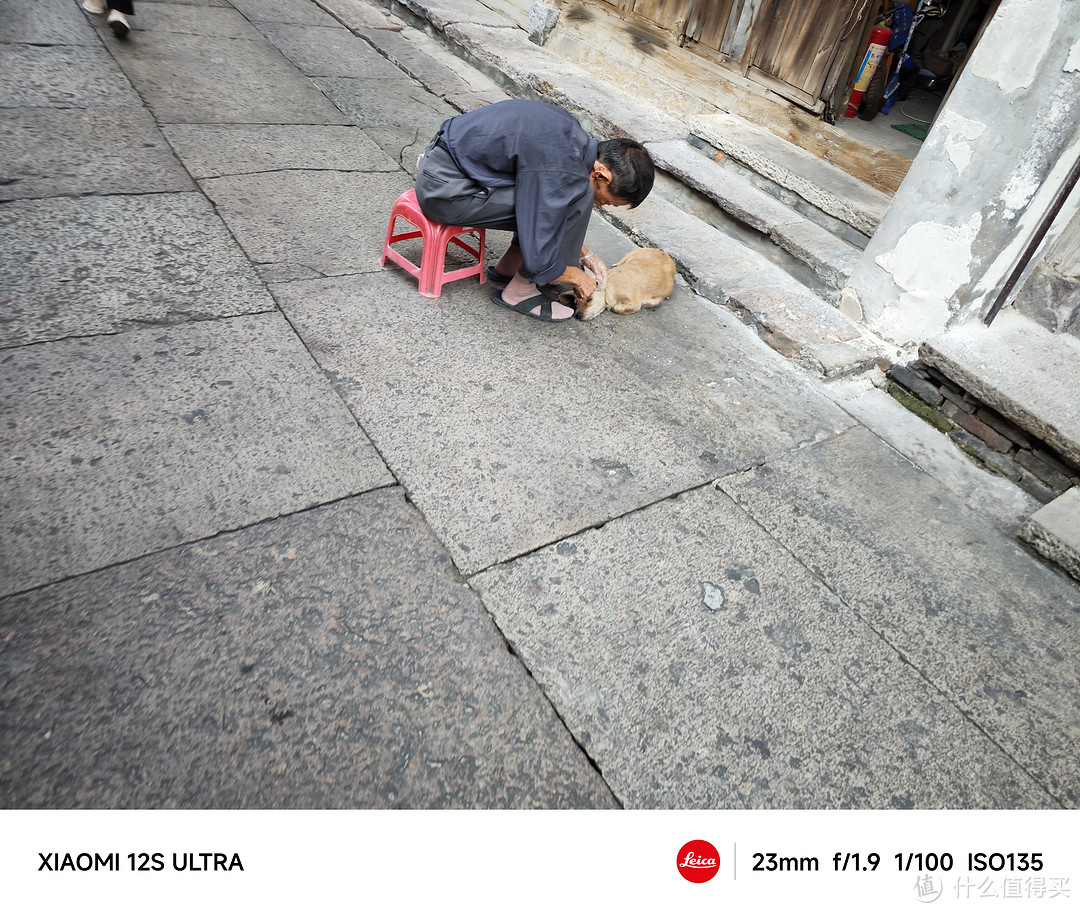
x,y
993,460
942,381
1034,487
1001,426
916,405
1052,459
1043,471
958,398
983,431
923,389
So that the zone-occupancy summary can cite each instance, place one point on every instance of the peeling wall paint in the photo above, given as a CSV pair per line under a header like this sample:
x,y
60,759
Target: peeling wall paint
x,y
966,222
960,134
1073,63
1037,159
930,262
1031,25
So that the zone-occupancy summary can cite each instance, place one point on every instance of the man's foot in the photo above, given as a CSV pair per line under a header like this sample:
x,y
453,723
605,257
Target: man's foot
x,y
522,296
97,7
539,307
118,23
493,275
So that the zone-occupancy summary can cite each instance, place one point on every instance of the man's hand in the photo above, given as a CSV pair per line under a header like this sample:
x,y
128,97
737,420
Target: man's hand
x,y
584,284
594,265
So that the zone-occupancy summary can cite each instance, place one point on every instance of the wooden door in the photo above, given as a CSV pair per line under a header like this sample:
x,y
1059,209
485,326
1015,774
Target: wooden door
x,y
795,44
699,21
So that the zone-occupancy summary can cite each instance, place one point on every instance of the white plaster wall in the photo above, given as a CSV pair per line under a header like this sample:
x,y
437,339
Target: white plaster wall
x,y
990,169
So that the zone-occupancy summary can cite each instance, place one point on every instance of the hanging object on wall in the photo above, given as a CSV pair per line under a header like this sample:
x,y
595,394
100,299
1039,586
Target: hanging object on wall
x,y
879,41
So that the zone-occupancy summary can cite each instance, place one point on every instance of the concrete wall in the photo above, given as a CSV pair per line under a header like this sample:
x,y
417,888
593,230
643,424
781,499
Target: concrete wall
x,y
993,165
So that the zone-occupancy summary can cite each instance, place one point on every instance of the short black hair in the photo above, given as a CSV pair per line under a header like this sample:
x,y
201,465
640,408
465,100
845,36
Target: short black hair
x,y
632,171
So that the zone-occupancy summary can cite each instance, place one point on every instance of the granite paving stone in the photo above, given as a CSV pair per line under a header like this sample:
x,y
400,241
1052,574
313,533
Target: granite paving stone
x,y
994,496
116,446
702,666
407,53
62,77
507,433
45,22
387,103
202,3
302,221
222,22
444,12
403,144
121,151
359,14
208,80
300,12
318,51
64,272
431,63
913,561
728,384
324,660
219,149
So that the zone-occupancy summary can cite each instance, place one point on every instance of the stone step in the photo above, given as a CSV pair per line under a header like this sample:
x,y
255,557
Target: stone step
x,y
1054,531
1030,376
825,251
819,183
1015,366
792,320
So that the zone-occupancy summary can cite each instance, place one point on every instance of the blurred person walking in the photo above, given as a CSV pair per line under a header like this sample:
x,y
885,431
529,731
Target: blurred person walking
x,y
118,11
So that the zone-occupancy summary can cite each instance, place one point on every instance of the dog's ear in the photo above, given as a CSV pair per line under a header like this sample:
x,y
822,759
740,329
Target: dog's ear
x,y
568,298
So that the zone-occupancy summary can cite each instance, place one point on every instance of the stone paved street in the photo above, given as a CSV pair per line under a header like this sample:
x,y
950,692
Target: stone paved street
x,y
278,531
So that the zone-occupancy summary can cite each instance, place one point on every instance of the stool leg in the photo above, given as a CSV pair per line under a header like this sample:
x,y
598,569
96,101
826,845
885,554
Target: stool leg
x,y
428,265
389,235
434,261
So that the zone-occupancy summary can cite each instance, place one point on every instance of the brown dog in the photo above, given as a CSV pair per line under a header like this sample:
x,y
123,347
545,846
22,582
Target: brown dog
x,y
643,278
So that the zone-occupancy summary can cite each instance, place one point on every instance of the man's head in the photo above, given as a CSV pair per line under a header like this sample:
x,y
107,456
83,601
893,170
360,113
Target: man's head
x,y
627,170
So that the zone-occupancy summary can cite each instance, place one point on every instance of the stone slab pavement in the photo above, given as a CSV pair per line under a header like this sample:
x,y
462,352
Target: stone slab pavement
x,y
190,679
277,531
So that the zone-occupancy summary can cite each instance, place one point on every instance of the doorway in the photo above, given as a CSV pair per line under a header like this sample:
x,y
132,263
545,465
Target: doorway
x,y
945,34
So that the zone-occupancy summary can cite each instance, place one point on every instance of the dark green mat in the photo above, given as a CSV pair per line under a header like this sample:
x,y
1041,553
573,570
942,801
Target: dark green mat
x,y
919,131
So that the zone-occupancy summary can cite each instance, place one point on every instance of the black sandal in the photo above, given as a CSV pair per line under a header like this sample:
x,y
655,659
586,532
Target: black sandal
x,y
493,275
526,307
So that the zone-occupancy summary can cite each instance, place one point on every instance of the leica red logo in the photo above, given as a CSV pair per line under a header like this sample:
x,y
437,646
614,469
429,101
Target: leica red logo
x,y
698,861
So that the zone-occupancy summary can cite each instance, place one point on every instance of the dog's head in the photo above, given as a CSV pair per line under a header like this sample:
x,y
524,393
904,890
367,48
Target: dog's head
x,y
585,310
596,304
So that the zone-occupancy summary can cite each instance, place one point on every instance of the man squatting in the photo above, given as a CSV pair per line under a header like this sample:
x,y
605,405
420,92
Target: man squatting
x,y
529,167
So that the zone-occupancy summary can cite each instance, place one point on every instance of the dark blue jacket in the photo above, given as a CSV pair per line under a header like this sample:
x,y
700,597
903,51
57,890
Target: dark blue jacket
x,y
540,150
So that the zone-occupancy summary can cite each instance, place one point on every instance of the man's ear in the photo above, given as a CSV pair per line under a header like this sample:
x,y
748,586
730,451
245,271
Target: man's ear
x,y
601,172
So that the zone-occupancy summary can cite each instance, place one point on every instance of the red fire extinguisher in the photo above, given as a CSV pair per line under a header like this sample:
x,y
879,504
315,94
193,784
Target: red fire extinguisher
x,y
875,50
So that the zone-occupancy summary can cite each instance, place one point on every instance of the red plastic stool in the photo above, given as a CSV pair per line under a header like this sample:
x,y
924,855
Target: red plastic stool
x,y
431,271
